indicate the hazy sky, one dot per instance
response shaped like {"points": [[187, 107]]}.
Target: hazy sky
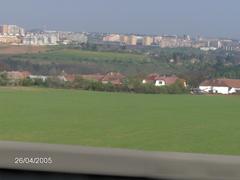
{"points": [[194, 17]]}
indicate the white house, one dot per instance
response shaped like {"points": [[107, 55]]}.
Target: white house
{"points": [[220, 86], [34, 77]]}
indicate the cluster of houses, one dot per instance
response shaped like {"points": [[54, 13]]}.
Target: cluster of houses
{"points": [[214, 86], [114, 78]]}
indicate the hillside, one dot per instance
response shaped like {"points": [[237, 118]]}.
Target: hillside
{"points": [[191, 64]]}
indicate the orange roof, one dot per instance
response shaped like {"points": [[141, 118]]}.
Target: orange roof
{"points": [[18, 74], [113, 76], [93, 77], [222, 83], [70, 77], [168, 79]]}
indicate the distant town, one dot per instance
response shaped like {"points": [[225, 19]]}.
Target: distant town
{"points": [[15, 35], [169, 72]]}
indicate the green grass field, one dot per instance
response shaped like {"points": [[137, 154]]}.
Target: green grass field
{"points": [[182, 123], [79, 55]]}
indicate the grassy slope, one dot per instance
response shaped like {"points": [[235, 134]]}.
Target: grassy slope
{"points": [[77, 61], [203, 124], [79, 55]]}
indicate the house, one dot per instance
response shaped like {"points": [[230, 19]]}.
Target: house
{"points": [[18, 75], [67, 77], [93, 77], [220, 86], [36, 77], [70, 77], [114, 78], [158, 80]]}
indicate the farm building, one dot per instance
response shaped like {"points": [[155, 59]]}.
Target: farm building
{"points": [[220, 86], [38, 77], [93, 77], [67, 77], [158, 80], [18, 75], [114, 78]]}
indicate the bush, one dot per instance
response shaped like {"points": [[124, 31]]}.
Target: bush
{"points": [[3, 79]]}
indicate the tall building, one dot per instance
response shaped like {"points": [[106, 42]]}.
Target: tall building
{"points": [[219, 44], [132, 40], [6, 39], [124, 39], [12, 30], [77, 38], [40, 39], [147, 41]]}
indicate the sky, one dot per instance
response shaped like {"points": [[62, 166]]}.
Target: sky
{"points": [[211, 18]]}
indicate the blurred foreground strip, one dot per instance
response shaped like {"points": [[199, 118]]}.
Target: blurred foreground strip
{"points": [[117, 162]]}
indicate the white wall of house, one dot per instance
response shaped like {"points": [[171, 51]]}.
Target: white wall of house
{"points": [[206, 89], [160, 83], [234, 90], [43, 78], [218, 90], [221, 90]]}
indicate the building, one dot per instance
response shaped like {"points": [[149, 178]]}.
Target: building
{"points": [[12, 30], [124, 39], [129, 40], [77, 38], [147, 41], [114, 78], [132, 40], [93, 77], [220, 86], [173, 41], [112, 38], [67, 77], [8, 39], [159, 81], [208, 49], [166, 41], [18, 75], [38, 77], [40, 39]]}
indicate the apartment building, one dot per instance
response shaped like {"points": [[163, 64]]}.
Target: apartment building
{"points": [[12, 30]]}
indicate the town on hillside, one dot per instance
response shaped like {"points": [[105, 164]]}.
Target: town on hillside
{"points": [[121, 47], [15, 35]]}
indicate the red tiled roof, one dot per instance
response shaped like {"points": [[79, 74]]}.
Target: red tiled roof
{"points": [[70, 77], [167, 79], [113, 76], [93, 77], [152, 77], [222, 83], [18, 74]]}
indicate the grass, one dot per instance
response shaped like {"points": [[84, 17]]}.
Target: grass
{"points": [[80, 55], [177, 123]]}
